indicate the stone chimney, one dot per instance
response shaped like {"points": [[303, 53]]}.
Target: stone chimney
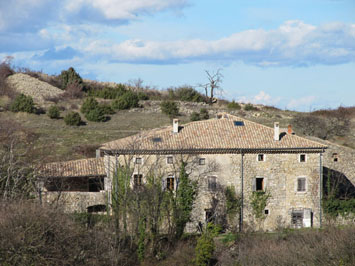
{"points": [[289, 129], [175, 125], [276, 131]]}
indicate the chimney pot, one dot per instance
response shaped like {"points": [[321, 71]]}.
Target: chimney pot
{"points": [[289, 129], [175, 125], [276, 131]]}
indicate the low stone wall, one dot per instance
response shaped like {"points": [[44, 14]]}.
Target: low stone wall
{"points": [[75, 201]]}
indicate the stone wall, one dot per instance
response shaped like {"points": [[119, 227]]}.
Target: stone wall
{"points": [[280, 172], [75, 201]]}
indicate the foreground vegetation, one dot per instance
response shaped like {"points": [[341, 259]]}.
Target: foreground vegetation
{"points": [[32, 234]]}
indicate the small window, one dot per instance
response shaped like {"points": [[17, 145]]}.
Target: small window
{"points": [[138, 160], [170, 160], [170, 183], [266, 212], [96, 184], [297, 219], [259, 184], [302, 158], [212, 183], [202, 161], [137, 180], [335, 157], [261, 157], [238, 123], [301, 184], [157, 139]]}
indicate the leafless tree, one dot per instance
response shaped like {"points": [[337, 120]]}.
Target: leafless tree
{"points": [[213, 85]]}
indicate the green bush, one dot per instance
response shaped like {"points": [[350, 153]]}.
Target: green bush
{"points": [[195, 116], [109, 93], [96, 115], [204, 114], [72, 119], [169, 108], [205, 245], [142, 96], [126, 101], [335, 207], [23, 103], [89, 104], [188, 94], [70, 76], [233, 105], [250, 107], [53, 112], [107, 109]]}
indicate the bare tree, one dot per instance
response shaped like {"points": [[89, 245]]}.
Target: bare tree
{"points": [[213, 85]]}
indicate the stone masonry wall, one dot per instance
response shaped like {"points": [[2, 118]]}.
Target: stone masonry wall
{"points": [[280, 172], [75, 201]]}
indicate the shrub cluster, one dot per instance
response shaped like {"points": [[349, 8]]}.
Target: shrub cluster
{"points": [[94, 111], [70, 76], [199, 116], [128, 100], [185, 93], [250, 107], [54, 112], [234, 105], [169, 108], [23, 103], [72, 119]]}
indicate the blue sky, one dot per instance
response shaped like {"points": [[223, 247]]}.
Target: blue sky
{"points": [[294, 54]]}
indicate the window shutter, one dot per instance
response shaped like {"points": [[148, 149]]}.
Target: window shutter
{"points": [[254, 184]]}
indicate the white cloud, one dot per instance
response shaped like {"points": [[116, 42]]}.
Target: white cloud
{"points": [[303, 102], [261, 98], [125, 9], [293, 43], [32, 15]]}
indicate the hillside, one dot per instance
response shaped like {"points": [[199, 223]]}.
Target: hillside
{"points": [[62, 142]]}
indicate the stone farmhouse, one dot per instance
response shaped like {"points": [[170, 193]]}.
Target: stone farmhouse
{"points": [[226, 151]]}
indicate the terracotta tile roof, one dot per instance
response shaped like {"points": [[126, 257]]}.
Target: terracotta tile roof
{"points": [[215, 134], [83, 167]]}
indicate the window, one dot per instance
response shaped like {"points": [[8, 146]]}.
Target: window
{"points": [[266, 212], [202, 161], [96, 184], [238, 123], [157, 139], [302, 158], [138, 160], [301, 184], [297, 219], [261, 157], [212, 183], [137, 180], [170, 183], [259, 184], [170, 160], [335, 157]]}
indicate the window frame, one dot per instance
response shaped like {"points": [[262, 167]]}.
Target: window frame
{"points": [[138, 158], [167, 187], [212, 185], [169, 157], [135, 185], [305, 184], [305, 158], [263, 184], [201, 159], [263, 155]]}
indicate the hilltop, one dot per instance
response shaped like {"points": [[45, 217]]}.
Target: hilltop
{"points": [[71, 142]]}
